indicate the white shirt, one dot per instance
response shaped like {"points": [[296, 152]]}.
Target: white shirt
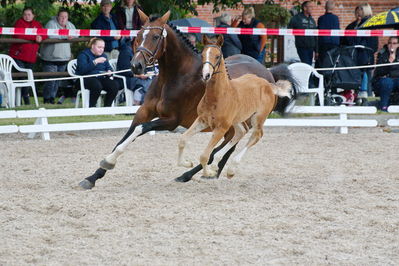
{"points": [[129, 17]]}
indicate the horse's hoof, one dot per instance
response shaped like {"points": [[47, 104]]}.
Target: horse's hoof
{"points": [[186, 164], [106, 165], [86, 184], [183, 178]]}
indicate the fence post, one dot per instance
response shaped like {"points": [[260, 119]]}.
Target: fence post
{"points": [[41, 121], [343, 117]]}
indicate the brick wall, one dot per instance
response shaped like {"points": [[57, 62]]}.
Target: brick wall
{"points": [[344, 10]]}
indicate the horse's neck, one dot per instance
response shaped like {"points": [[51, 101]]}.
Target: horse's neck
{"points": [[176, 57], [219, 81]]}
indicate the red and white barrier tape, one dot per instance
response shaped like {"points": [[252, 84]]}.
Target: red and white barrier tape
{"points": [[127, 70], [211, 30]]}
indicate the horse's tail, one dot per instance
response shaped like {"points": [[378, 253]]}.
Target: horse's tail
{"points": [[282, 73]]}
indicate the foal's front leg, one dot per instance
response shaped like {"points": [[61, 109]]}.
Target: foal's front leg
{"points": [[196, 127], [217, 135]]}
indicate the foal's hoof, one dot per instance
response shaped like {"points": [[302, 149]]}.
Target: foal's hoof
{"points": [[86, 184], [230, 173], [186, 164], [183, 178], [106, 165]]}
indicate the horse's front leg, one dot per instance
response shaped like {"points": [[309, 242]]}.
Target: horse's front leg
{"points": [[196, 127], [134, 131], [217, 135]]}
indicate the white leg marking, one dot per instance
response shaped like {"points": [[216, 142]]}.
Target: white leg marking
{"points": [[111, 158]]}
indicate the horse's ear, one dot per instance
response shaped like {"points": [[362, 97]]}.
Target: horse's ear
{"points": [[220, 40], [165, 17], [205, 39], [143, 17]]}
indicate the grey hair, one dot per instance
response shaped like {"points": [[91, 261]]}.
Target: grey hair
{"points": [[329, 5], [225, 18], [367, 11]]}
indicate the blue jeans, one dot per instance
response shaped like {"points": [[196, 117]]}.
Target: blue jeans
{"points": [[261, 57], [385, 87], [306, 55], [50, 88]]}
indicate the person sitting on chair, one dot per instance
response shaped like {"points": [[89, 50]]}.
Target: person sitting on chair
{"points": [[94, 61], [386, 79]]}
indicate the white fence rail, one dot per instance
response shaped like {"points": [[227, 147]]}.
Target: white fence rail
{"points": [[44, 128], [393, 122]]}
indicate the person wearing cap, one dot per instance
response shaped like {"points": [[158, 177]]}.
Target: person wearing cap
{"points": [[232, 44], [106, 21]]}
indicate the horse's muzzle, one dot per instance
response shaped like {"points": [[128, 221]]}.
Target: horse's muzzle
{"points": [[206, 77], [137, 67]]}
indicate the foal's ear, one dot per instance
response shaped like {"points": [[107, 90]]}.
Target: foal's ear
{"points": [[165, 17], [143, 17], [220, 40], [205, 39]]}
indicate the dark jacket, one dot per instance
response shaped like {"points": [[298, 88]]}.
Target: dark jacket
{"points": [[120, 17], [104, 23], [388, 71], [328, 21], [300, 21], [365, 56], [85, 65], [232, 44], [250, 43], [124, 58]]}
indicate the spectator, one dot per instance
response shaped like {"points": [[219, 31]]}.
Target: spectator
{"points": [[364, 56], [25, 54], [93, 60], [386, 79], [105, 21], [328, 21], [55, 56], [252, 45], [306, 46], [137, 83], [192, 39], [127, 16], [232, 44]]}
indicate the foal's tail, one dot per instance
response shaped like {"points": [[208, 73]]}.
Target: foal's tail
{"points": [[282, 88], [282, 73]]}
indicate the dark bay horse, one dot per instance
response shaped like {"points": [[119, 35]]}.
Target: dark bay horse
{"points": [[175, 93]]}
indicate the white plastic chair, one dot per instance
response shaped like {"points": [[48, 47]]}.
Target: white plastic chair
{"points": [[128, 93], [14, 88], [302, 72], [83, 92]]}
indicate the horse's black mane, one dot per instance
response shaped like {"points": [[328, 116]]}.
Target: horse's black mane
{"points": [[184, 39]]}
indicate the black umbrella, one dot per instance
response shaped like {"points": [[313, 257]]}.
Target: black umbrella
{"points": [[191, 22], [387, 19]]}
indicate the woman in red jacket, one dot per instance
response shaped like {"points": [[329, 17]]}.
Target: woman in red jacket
{"points": [[25, 54]]}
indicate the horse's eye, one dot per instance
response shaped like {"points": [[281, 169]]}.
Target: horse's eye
{"points": [[156, 37], [218, 57]]}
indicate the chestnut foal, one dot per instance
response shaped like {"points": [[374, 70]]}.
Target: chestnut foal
{"points": [[227, 103]]}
